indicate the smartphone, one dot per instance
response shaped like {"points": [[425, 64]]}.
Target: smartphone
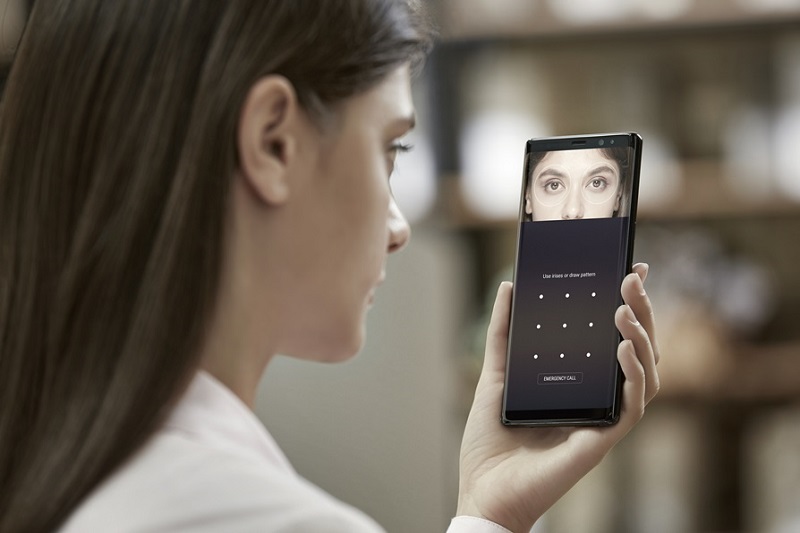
{"points": [[577, 219]]}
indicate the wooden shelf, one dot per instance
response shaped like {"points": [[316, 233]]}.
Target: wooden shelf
{"points": [[705, 195], [765, 373], [470, 20], [756, 374]]}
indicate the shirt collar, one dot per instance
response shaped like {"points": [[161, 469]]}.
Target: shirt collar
{"points": [[211, 413]]}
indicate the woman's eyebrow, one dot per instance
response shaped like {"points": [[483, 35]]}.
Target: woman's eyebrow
{"points": [[603, 168], [551, 172]]}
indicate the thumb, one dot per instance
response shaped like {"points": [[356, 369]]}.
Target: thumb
{"points": [[494, 359]]}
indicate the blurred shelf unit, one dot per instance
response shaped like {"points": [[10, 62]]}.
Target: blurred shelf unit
{"points": [[713, 86]]}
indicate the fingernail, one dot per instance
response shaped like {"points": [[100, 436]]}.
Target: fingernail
{"points": [[645, 268], [640, 287]]}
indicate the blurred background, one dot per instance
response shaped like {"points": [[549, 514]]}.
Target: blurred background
{"points": [[713, 86]]}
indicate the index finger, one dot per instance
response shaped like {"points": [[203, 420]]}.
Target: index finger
{"points": [[497, 335]]}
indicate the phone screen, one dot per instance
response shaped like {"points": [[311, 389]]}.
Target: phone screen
{"points": [[575, 242]]}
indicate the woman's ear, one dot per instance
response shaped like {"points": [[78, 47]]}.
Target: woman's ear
{"points": [[616, 204], [528, 203], [267, 138]]}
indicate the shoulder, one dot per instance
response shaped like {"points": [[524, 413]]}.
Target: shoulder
{"points": [[176, 484]]}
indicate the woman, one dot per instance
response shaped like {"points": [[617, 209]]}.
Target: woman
{"points": [[576, 184], [187, 189]]}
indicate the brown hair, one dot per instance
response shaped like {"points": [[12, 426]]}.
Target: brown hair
{"points": [[117, 142]]}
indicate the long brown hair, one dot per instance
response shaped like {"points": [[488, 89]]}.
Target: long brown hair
{"points": [[117, 142]]}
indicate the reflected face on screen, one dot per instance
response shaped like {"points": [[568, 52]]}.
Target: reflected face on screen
{"points": [[573, 184]]}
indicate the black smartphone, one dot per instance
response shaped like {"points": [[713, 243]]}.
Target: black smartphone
{"points": [[574, 246]]}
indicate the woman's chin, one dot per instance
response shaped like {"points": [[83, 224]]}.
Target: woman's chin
{"points": [[335, 348]]}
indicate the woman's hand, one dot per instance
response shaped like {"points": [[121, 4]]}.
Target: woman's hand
{"points": [[511, 476]]}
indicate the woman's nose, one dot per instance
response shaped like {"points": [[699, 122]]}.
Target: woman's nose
{"points": [[573, 208], [399, 230]]}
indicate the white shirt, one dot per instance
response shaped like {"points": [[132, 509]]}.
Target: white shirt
{"points": [[213, 467]]}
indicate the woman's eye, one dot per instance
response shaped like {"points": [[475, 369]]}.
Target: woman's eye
{"points": [[553, 186], [598, 184], [397, 148]]}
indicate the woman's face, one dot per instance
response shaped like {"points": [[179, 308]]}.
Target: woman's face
{"points": [[573, 184], [344, 222]]}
